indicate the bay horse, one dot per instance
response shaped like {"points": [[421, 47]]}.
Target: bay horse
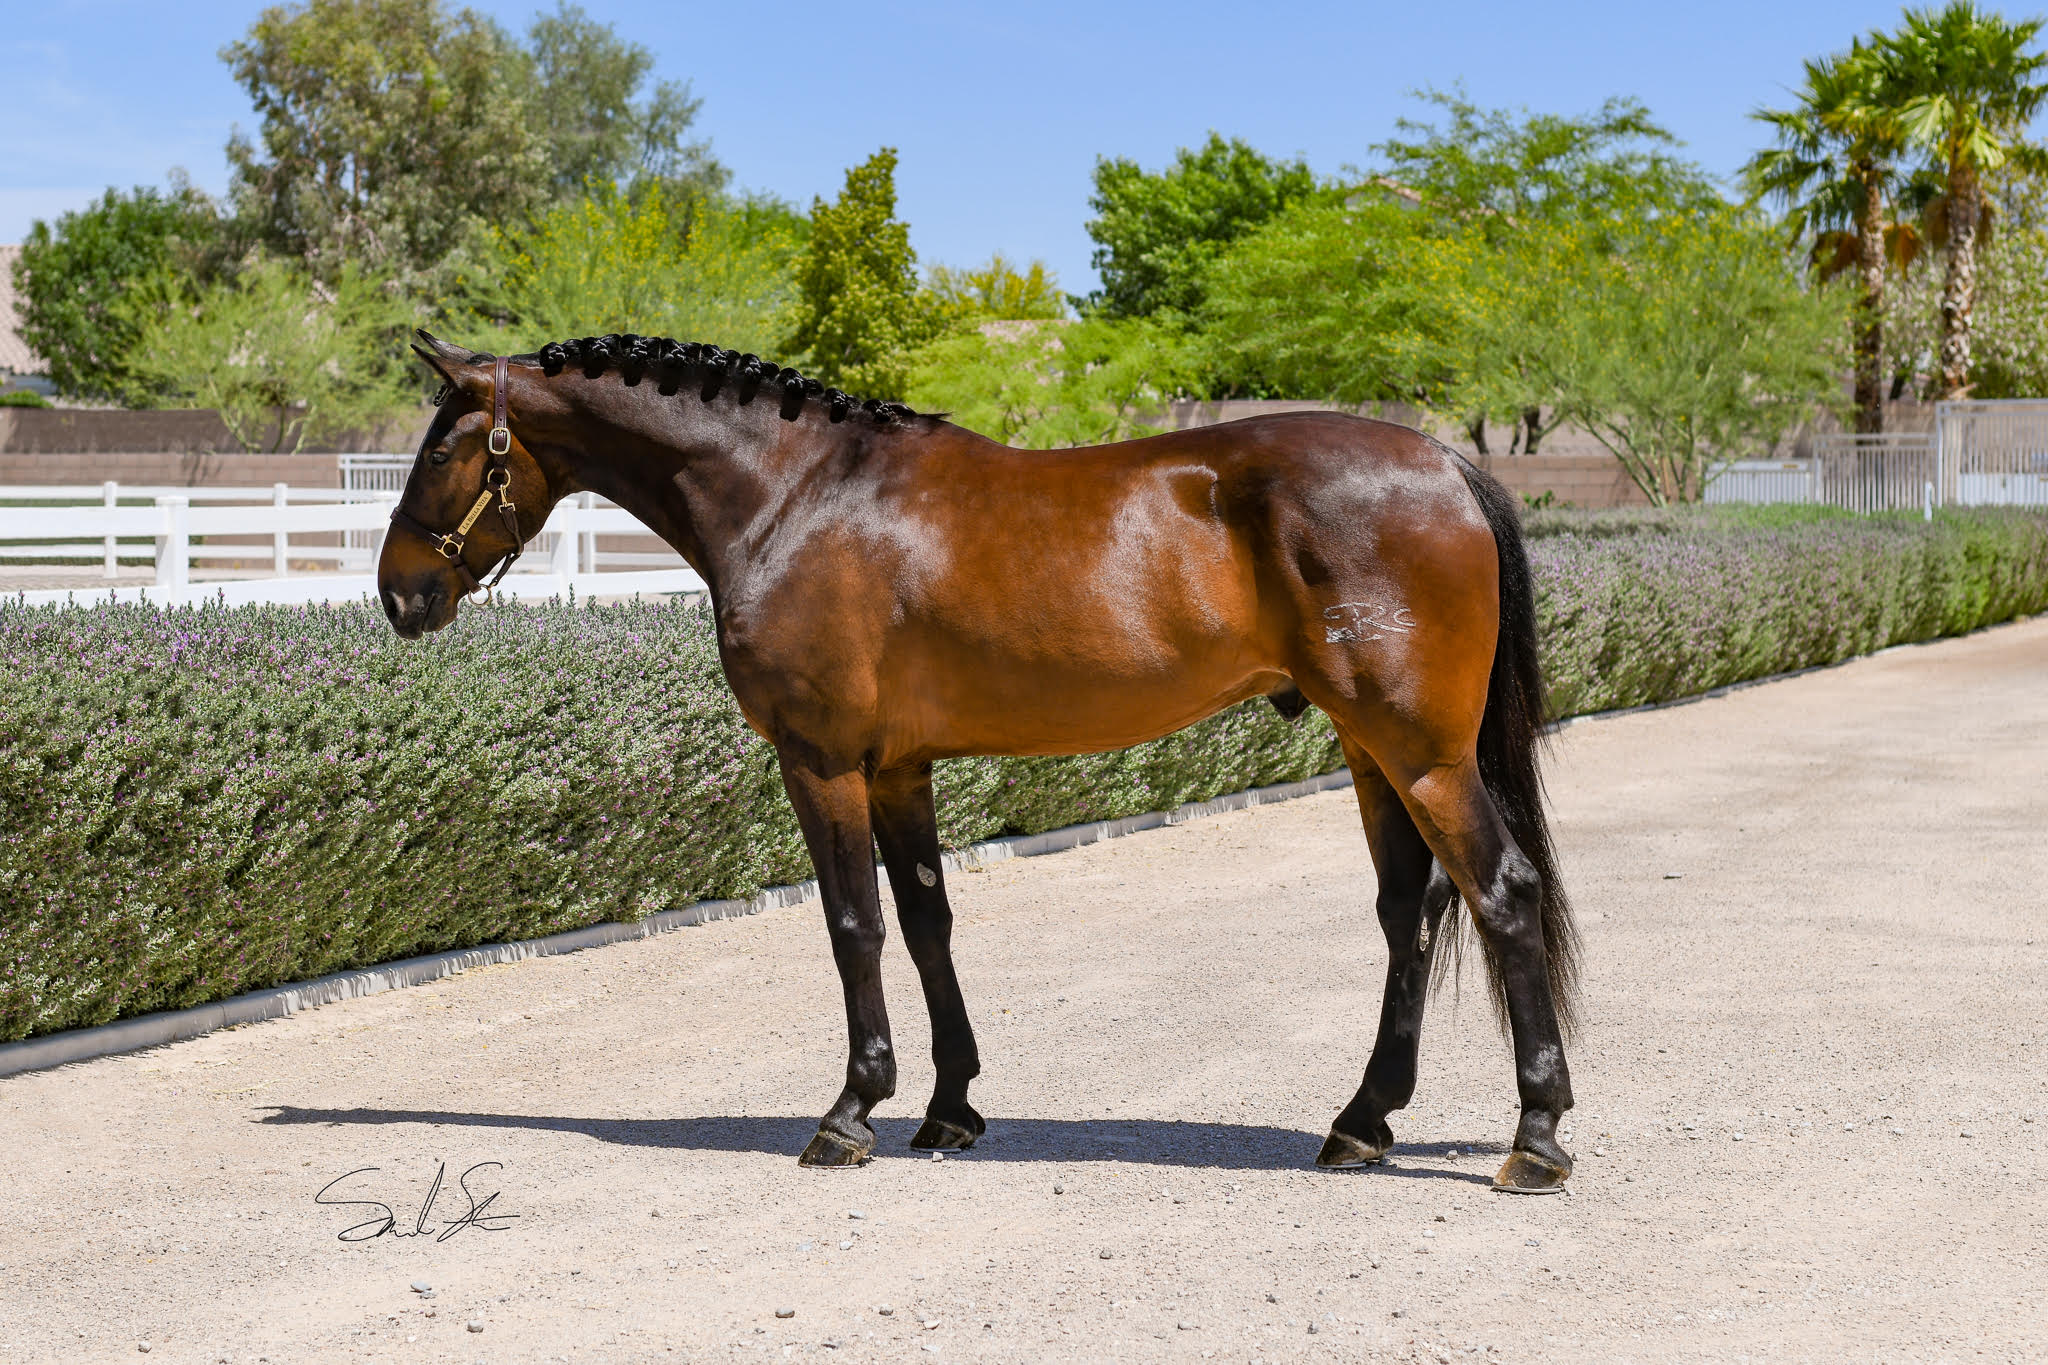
{"points": [[890, 589]]}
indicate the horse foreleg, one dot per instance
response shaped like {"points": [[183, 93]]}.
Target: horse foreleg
{"points": [[1407, 901], [906, 827], [831, 804]]}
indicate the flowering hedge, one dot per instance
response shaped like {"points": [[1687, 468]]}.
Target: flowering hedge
{"points": [[201, 802], [1646, 607], [197, 803]]}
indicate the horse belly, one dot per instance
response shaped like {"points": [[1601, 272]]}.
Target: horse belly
{"points": [[1099, 662]]}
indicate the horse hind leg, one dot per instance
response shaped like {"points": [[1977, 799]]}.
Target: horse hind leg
{"points": [[1500, 883], [906, 829], [1413, 895]]}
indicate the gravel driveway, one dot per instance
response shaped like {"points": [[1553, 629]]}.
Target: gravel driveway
{"points": [[1812, 1088]]}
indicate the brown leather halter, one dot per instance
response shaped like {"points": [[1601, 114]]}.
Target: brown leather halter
{"points": [[497, 482]]}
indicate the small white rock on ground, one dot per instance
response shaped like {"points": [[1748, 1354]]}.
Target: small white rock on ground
{"points": [[1851, 971]]}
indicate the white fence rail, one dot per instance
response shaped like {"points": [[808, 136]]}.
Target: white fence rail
{"points": [[1993, 452], [164, 530], [1984, 453], [1989, 453], [368, 475], [1893, 472], [1763, 481]]}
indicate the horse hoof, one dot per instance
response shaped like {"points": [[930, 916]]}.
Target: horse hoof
{"points": [[830, 1149], [1527, 1173], [937, 1135], [1343, 1152]]}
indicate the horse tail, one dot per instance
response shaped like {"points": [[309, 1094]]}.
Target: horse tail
{"points": [[1511, 732]]}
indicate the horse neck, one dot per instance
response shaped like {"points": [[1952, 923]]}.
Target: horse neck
{"points": [[699, 474]]}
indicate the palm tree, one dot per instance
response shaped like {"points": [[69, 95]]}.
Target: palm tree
{"points": [[1835, 170], [1966, 89]]}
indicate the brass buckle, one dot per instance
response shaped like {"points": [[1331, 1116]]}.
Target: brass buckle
{"points": [[474, 600], [497, 449], [449, 546]]}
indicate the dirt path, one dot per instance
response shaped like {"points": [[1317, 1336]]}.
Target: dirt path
{"points": [[1812, 1093]]}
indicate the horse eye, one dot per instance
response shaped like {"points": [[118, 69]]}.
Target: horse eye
{"points": [[439, 456]]}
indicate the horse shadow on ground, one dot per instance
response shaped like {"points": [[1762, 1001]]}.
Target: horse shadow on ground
{"points": [[1152, 1142]]}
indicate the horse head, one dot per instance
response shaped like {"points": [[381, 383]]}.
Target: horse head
{"points": [[473, 500]]}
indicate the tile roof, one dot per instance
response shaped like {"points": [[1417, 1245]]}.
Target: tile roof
{"points": [[15, 355]]}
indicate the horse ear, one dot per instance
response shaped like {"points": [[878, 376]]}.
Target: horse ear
{"points": [[452, 363]]}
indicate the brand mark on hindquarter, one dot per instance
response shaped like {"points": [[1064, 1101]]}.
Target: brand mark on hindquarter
{"points": [[1361, 621]]}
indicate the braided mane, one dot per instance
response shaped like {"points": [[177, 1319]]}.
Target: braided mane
{"points": [[709, 369]]}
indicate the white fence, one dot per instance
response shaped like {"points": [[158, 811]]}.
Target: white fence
{"points": [[1993, 452], [164, 530], [1764, 481], [368, 475], [1895, 472], [1990, 453]]}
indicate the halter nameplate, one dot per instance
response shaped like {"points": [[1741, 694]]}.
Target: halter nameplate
{"points": [[476, 509]]}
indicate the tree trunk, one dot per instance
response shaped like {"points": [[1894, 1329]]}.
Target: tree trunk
{"points": [[1532, 423], [1870, 335], [1476, 429], [1959, 288]]}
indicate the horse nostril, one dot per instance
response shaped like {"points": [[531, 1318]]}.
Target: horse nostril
{"points": [[391, 606]]}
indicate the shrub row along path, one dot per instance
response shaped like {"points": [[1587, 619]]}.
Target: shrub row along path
{"points": [[1815, 943]]}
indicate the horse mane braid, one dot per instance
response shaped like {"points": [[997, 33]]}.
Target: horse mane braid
{"points": [[671, 363]]}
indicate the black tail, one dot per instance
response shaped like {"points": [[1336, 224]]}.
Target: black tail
{"points": [[1510, 733]]}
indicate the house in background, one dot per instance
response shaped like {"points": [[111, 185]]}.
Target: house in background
{"points": [[20, 368]]}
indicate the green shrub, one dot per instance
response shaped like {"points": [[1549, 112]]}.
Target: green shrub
{"points": [[1658, 605], [200, 802], [1541, 522], [196, 803]]}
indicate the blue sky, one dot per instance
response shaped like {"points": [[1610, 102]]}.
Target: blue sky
{"points": [[998, 112]]}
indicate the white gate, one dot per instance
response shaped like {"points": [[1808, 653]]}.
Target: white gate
{"points": [[1993, 452], [1892, 472], [1981, 453], [1763, 481], [373, 474]]}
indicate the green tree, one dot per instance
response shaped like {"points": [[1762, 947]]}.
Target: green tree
{"points": [[1689, 344], [1967, 88], [2008, 343], [1503, 169], [1351, 302], [391, 131], [72, 277], [1157, 232], [1837, 171], [1046, 383], [2009, 331], [857, 316], [656, 263], [585, 91], [997, 290], [282, 358], [1503, 176]]}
